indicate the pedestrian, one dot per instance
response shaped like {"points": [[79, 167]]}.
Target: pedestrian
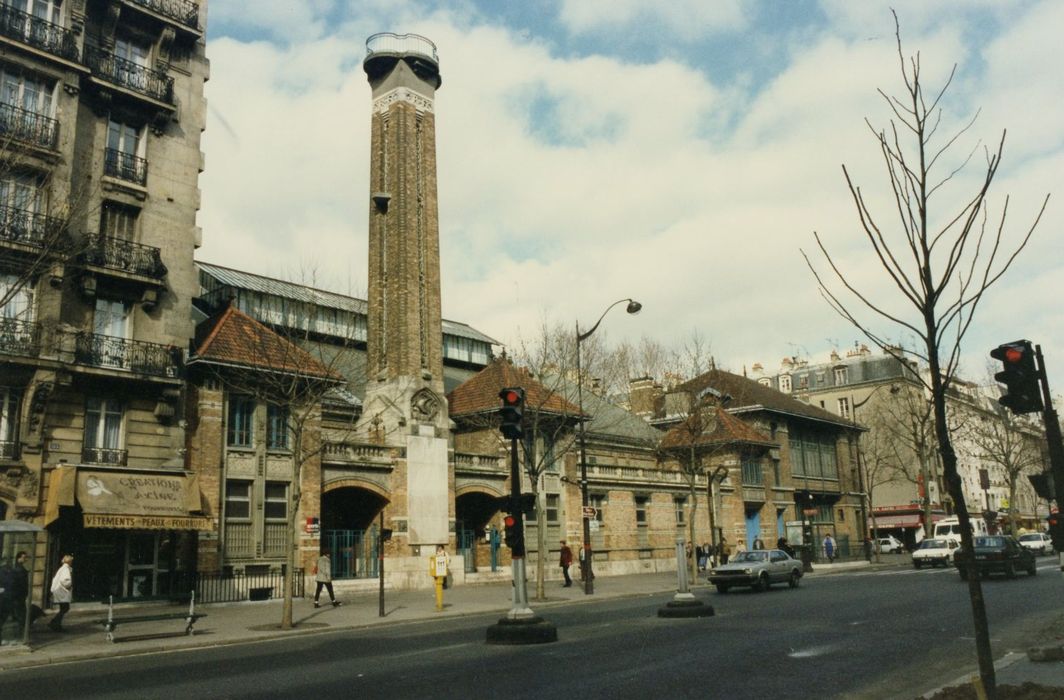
{"points": [[323, 577], [758, 544], [725, 550], [740, 546], [829, 548], [7, 592], [565, 560], [687, 552], [702, 552], [62, 591], [439, 567], [785, 546]]}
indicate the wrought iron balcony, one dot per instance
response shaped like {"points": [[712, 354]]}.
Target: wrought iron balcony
{"points": [[124, 354], [125, 166], [103, 455], [18, 337], [29, 228], [28, 127], [8, 449], [124, 256], [38, 33], [155, 84], [181, 11]]}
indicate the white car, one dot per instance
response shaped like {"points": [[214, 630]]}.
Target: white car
{"points": [[1037, 542], [890, 544], [934, 552]]}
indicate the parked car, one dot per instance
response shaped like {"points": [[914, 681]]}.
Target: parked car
{"points": [[890, 544], [996, 553], [758, 569], [1037, 542], [933, 552]]}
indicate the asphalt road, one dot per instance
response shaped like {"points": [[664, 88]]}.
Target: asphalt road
{"points": [[884, 634]]}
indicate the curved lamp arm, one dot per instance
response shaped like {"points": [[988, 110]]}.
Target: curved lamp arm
{"points": [[634, 307]]}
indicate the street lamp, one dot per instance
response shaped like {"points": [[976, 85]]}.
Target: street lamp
{"points": [[894, 389], [634, 307]]}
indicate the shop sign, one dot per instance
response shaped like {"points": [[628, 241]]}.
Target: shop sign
{"points": [[160, 495], [146, 522]]}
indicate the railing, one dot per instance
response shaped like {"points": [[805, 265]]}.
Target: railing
{"points": [[38, 33], [125, 166], [104, 455], [475, 461], [127, 74], [27, 227], [355, 452], [18, 337], [182, 11], [120, 353], [28, 127], [8, 449], [233, 587], [388, 42], [125, 256]]}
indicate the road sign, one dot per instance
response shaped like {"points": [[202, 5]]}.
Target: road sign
{"points": [[589, 512], [593, 525]]}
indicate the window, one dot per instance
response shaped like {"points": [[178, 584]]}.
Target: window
{"points": [[19, 305], [840, 376], [552, 507], [123, 138], [237, 500], [824, 514], [9, 400], [48, 10], [844, 407], [276, 505], [550, 459], [277, 427], [124, 156], [117, 221], [598, 502], [131, 51], [241, 415], [103, 424], [21, 193], [111, 318], [785, 383], [641, 510], [751, 470], [681, 507], [842, 515], [25, 92], [813, 454]]}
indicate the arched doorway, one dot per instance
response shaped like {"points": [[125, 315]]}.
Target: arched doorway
{"points": [[477, 540], [350, 530]]}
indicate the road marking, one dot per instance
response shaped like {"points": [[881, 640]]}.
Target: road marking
{"points": [[811, 651]]}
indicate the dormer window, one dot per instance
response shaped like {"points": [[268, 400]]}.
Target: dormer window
{"points": [[785, 383]]}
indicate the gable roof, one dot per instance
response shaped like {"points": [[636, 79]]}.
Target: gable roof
{"points": [[748, 396], [480, 393], [231, 337], [696, 430]]}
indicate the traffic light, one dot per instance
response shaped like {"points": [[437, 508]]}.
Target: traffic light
{"points": [[514, 534], [512, 412], [1056, 531], [1043, 485], [1023, 393]]}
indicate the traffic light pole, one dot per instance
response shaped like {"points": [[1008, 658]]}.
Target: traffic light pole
{"points": [[520, 609], [1053, 437]]}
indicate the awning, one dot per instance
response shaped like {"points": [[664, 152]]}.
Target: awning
{"points": [[889, 521], [140, 501]]}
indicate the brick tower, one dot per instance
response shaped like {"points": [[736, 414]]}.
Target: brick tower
{"points": [[404, 400]]}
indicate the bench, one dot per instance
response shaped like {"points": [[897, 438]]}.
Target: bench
{"points": [[112, 622]]}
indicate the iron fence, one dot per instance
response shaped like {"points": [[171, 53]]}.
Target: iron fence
{"points": [[125, 166], [29, 228], [29, 127], [18, 337], [121, 353], [133, 76], [125, 256], [37, 32], [104, 455], [234, 586]]}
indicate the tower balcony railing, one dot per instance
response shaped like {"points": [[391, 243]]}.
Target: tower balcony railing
{"points": [[388, 42], [111, 352], [181, 11], [38, 33], [155, 84], [28, 127], [19, 337], [125, 166], [123, 256], [104, 455], [29, 228]]}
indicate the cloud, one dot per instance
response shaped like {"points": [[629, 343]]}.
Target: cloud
{"points": [[682, 19]]}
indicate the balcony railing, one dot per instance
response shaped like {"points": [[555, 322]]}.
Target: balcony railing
{"points": [[18, 337], [28, 127], [103, 455], [182, 11], [38, 33], [132, 355], [125, 166], [124, 256], [29, 228], [8, 449], [127, 74]]}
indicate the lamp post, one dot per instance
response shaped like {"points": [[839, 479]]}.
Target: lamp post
{"points": [[894, 389], [634, 307]]}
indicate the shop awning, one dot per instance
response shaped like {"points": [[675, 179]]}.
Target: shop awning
{"points": [[889, 521], [140, 501]]}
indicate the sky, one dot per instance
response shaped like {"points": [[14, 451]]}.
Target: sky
{"points": [[682, 154]]}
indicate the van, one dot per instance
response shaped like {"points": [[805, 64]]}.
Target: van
{"points": [[950, 528]]}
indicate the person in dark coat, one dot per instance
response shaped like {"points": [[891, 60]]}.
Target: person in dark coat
{"points": [[782, 544], [565, 560]]}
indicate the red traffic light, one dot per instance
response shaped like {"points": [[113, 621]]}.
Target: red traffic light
{"points": [[509, 521], [1013, 354], [510, 397]]}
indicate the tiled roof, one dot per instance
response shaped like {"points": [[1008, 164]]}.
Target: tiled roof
{"points": [[480, 393], [234, 338], [748, 395], [725, 429]]}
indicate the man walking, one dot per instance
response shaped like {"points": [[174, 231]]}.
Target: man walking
{"points": [[829, 548], [324, 580], [565, 560]]}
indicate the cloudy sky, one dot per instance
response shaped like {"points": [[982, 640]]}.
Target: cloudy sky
{"points": [[682, 153]]}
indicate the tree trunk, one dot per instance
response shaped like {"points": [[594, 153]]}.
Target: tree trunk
{"points": [[541, 543], [293, 548], [691, 529]]}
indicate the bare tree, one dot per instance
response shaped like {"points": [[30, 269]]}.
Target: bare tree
{"points": [[940, 265]]}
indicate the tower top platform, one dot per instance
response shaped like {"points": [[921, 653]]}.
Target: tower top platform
{"points": [[383, 50]]}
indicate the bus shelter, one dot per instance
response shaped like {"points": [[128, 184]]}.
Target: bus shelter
{"points": [[19, 543]]}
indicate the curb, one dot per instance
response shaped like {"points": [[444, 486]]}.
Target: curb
{"points": [[1001, 664]]}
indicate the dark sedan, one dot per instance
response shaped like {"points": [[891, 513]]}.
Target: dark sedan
{"points": [[996, 554]]}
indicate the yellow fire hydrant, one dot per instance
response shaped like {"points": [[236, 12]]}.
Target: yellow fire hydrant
{"points": [[439, 564]]}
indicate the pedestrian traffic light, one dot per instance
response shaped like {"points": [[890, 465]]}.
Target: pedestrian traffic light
{"points": [[1056, 531], [1023, 391], [512, 412]]}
